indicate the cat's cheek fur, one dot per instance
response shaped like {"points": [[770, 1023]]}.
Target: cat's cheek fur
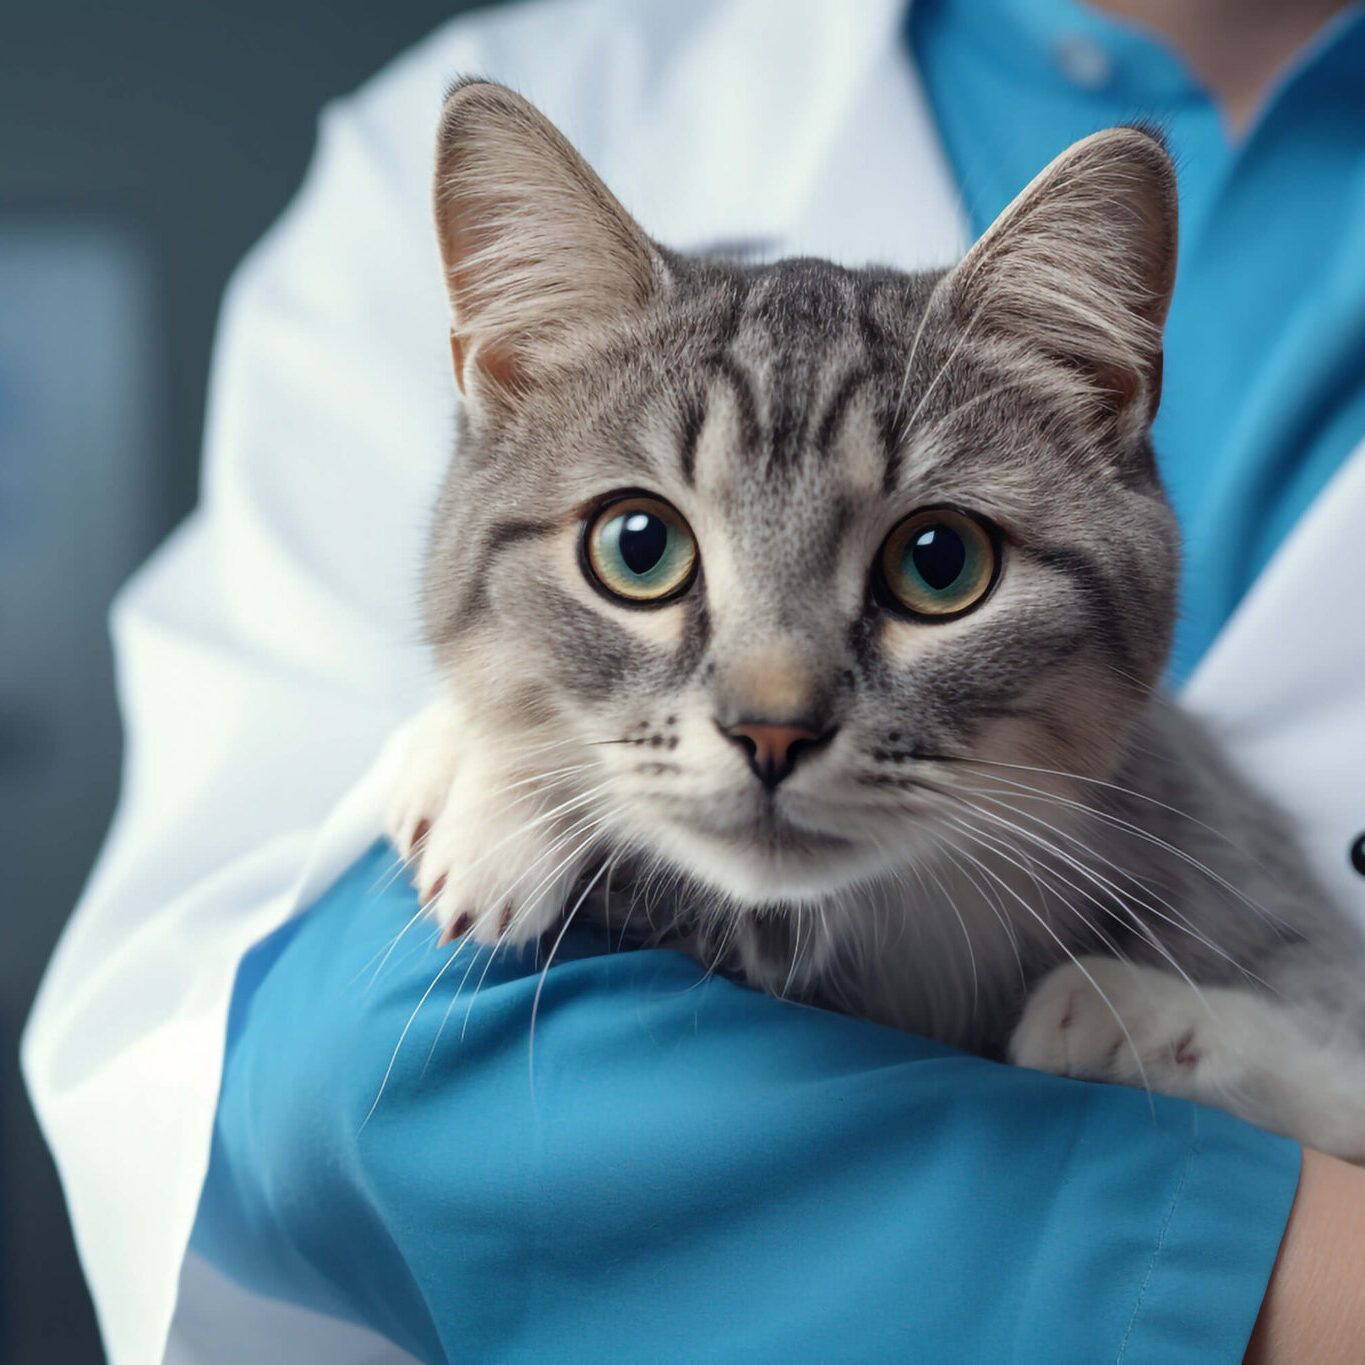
{"points": [[494, 857], [1253, 1055]]}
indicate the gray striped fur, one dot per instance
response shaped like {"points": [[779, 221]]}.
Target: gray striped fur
{"points": [[1005, 792]]}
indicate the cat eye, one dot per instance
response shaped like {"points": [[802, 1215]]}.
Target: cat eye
{"points": [[640, 549], [938, 563]]}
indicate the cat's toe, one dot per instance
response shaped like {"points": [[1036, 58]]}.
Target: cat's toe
{"points": [[485, 857], [455, 929], [423, 788], [414, 808], [1060, 1031], [484, 880], [1099, 1019], [505, 924]]}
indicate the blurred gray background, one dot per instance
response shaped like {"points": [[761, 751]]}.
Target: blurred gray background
{"points": [[143, 148]]}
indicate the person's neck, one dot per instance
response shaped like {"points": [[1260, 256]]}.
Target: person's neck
{"points": [[1237, 48]]}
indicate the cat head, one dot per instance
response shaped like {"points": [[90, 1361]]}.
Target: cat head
{"points": [[769, 567]]}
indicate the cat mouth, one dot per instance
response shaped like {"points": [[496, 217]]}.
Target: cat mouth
{"points": [[764, 857], [769, 829]]}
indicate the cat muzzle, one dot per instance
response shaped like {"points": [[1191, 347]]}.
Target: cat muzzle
{"points": [[774, 750]]}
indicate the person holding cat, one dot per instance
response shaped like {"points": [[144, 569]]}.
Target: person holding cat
{"points": [[421, 1148]]}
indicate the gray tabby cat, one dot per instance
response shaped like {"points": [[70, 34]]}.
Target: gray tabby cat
{"points": [[811, 620]]}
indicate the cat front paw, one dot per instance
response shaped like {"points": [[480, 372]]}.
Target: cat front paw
{"points": [[430, 761], [1287, 1069], [1103, 1020], [489, 861]]}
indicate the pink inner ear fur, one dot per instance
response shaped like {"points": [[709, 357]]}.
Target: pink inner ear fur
{"points": [[1082, 264], [457, 358], [496, 364], [538, 254]]}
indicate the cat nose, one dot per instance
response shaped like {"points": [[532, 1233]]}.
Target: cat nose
{"points": [[773, 750]]}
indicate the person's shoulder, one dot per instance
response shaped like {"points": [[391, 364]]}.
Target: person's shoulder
{"points": [[608, 70], [582, 62], [560, 54], [704, 117]]}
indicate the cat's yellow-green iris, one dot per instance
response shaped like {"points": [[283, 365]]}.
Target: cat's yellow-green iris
{"points": [[938, 562], [639, 548]]}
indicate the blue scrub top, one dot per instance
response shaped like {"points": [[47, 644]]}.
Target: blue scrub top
{"points": [[1264, 390], [682, 1169]]}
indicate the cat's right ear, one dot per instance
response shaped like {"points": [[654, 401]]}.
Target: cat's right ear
{"points": [[538, 254]]}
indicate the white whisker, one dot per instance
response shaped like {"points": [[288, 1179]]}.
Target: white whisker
{"points": [[1061, 943], [398, 1046], [540, 984]]}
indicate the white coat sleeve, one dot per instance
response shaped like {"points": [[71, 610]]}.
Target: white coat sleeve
{"points": [[263, 656]]}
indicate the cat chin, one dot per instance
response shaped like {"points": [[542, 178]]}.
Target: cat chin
{"points": [[801, 868]]}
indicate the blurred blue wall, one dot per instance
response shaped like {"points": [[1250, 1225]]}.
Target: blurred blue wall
{"points": [[143, 147]]}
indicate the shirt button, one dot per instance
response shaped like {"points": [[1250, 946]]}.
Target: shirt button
{"points": [[1358, 854], [1083, 61]]}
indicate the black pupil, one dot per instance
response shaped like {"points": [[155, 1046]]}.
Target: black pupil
{"points": [[644, 538], [938, 555]]}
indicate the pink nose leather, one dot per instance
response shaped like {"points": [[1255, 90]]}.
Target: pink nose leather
{"points": [[772, 749]]}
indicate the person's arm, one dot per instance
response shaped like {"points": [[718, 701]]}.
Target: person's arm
{"points": [[1314, 1308], [674, 1167]]}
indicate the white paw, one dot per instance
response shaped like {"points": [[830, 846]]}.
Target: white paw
{"points": [[1103, 1020], [425, 777], [1283, 1066], [489, 859]]}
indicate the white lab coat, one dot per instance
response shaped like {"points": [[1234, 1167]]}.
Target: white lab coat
{"points": [[270, 647]]}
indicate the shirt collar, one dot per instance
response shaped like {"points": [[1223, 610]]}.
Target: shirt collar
{"points": [[1079, 48]]}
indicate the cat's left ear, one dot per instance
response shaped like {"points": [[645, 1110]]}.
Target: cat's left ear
{"points": [[1081, 267], [539, 256]]}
